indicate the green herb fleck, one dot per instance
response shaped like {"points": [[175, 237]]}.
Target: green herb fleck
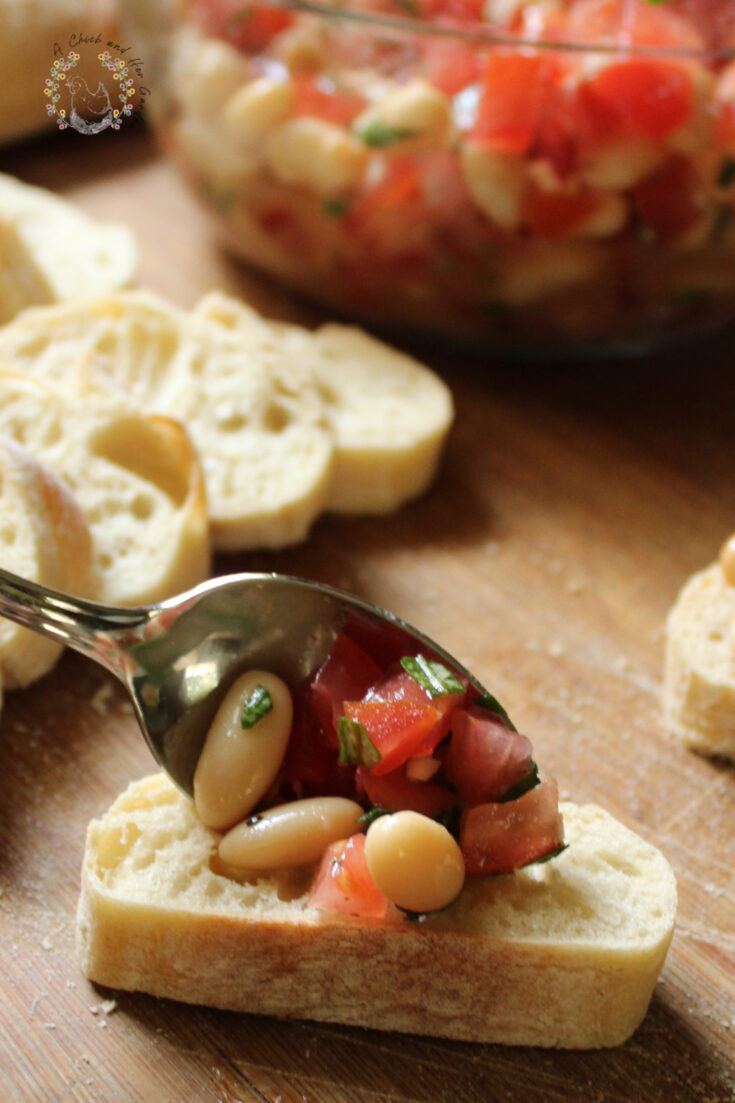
{"points": [[379, 135], [356, 748], [431, 675], [530, 781], [335, 208], [727, 173], [257, 704], [492, 704], [374, 813]]}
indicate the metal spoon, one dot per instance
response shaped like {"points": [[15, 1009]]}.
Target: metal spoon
{"points": [[177, 658]]}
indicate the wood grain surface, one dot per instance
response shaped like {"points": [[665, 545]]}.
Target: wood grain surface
{"points": [[573, 502]]}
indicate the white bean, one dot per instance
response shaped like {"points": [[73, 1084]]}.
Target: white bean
{"points": [[238, 764], [314, 154], [496, 181], [258, 107], [291, 834], [415, 116], [414, 861]]}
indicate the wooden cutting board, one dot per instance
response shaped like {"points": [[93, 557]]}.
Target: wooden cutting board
{"points": [[573, 502]]}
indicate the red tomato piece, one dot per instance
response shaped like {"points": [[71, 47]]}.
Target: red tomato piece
{"points": [[248, 26], [396, 728], [554, 215], [519, 92], [667, 200], [498, 838], [639, 97], [450, 66], [399, 686], [347, 673], [323, 100], [343, 882], [310, 765], [396, 792], [485, 758], [637, 22]]}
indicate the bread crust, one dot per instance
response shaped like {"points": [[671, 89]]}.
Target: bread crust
{"points": [[471, 973], [699, 671]]}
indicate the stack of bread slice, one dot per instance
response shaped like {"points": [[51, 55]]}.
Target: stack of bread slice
{"points": [[287, 423]]}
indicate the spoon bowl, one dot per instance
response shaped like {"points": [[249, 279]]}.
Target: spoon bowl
{"points": [[178, 658]]}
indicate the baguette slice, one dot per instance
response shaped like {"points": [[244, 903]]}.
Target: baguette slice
{"points": [[137, 480], [76, 257], [256, 419], [390, 414], [22, 283], [44, 537], [561, 954], [699, 674]]}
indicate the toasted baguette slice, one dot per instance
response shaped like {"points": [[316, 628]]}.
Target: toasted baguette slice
{"points": [[137, 480], [44, 537], [563, 954], [390, 414], [76, 257], [256, 419], [699, 675], [22, 283]]}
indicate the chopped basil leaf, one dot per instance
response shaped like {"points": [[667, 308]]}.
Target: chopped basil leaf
{"points": [[374, 813], [431, 675], [552, 854], [530, 781], [492, 704], [257, 704], [356, 748], [335, 208], [379, 134], [727, 172]]}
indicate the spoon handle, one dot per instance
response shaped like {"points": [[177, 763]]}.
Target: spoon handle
{"points": [[83, 625]]}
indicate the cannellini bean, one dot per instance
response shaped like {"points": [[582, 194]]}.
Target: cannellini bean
{"points": [[303, 47], [415, 116], [238, 764], [496, 181], [258, 107], [621, 164], [213, 70], [727, 560], [414, 861], [317, 155], [291, 834]]}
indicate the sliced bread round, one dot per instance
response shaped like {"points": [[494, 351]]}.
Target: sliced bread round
{"points": [[255, 416], [22, 283], [137, 480], [699, 673], [390, 414], [44, 537]]}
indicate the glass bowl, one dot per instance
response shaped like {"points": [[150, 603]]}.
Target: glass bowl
{"points": [[531, 174]]}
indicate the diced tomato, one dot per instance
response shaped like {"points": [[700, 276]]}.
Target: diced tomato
{"points": [[639, 97], [498, 838], [318, 97], [346, 674], [464, 11], [485, 758], [311, 766], [553, 215], [396, 792], [396, 194], [450, 66], [667, 200], [519, 92], [248, 26], [343, 882], [402, 720], [633, 22]]}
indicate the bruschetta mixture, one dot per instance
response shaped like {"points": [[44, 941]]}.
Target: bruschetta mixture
{"points": [[415, 161], [386, 771]]}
